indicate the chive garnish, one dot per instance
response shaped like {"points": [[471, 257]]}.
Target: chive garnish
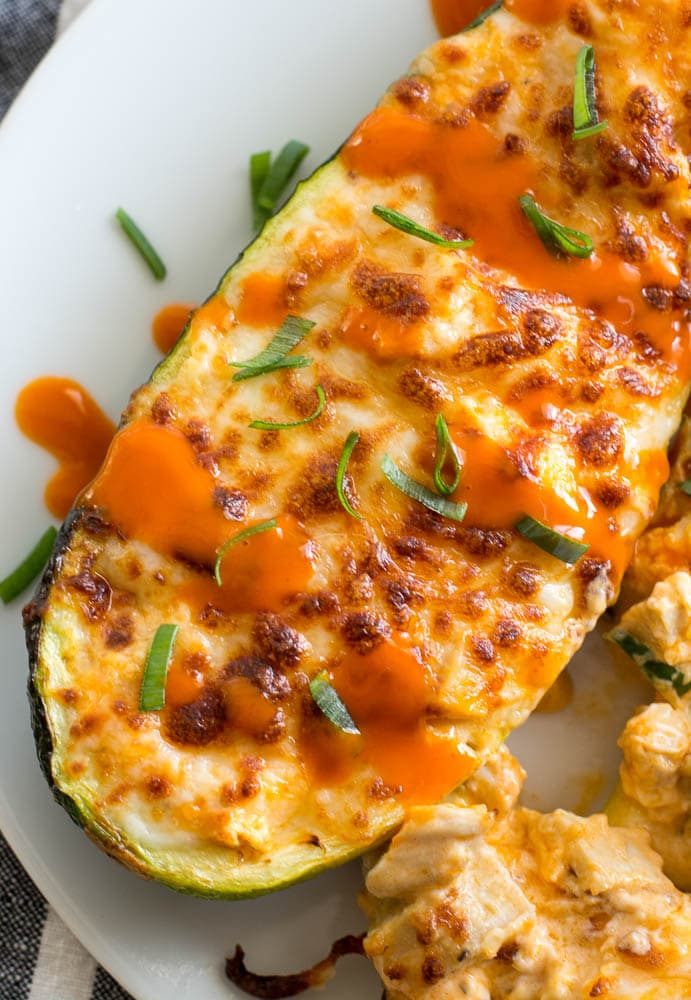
{"points": [[348, 447], [152, 695], [685, 487], [412, 228], [259, 168], [268, 425], [644, 658], [279, 175], [586, 121], [274, 357], [482, 17], [446, 451], [416, 491], [29, 568], [255, 529], [329, 703], [551, 541], [142, 244], [558, 239]]}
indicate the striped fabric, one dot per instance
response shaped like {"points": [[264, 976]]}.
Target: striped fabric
{"points": [[39, 958]]}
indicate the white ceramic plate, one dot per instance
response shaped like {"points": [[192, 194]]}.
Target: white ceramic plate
{"points": [[155, 105]]}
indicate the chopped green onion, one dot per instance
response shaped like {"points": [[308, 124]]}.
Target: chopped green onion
{"points": [[348, 447], [549, 540], [20, 578], [586, 121], [482, 17], [259, 168], [558, 239], [255, 529], [327, 699], [274, 357], [446, 449], [268, 425], [416, 491], [685, 487], [142, 244], [152, 695], [279, 175], [644, 658], [412, 228]]}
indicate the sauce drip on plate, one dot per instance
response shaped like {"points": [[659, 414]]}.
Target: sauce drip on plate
{"points": [[452, 16], [168, 325], [60, 416]]}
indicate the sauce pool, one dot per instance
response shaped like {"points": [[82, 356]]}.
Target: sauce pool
{"points": [[452, 16], [60, 416], [168, 325]]}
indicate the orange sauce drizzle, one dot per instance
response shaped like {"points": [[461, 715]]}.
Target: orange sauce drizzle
{"points": [[384, 336], [259, 573], [153, 488], [476, 190], [61, 416], [498, 495], [183, 685], [452, 16], [262, 300], [387, 692], [248, 710], [538, 11], [168, 325]]}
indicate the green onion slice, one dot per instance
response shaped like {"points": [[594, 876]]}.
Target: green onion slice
{"points": [[685, 487], [416, 491], [142, 244], [279, 174], [643, 657], [549, 540], [482, 17], [558, 239], [152, 695], [259, 169], [255, 529], [20, 578], [586, 121], [327, 699], [268, 425], [274, 357], [348, 447], [412, 228], [446, 451]]}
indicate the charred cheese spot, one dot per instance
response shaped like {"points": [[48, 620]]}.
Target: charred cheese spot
{"points": [[600, 441], [389, 293], [199, 722]]}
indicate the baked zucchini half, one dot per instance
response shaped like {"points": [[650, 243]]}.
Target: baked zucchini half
{"points": [[299, 571]]}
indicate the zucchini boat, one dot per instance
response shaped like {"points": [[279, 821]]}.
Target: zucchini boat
{"points": [[547, 363]]}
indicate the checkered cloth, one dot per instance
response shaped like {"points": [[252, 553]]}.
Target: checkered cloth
{"points": [[39, 958]]}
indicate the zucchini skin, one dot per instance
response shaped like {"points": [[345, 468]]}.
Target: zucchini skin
{"points": [[529, 650]]}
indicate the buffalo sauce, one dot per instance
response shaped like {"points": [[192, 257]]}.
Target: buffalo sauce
{"points": [[387, 692], [154, 489], [262, 300], [168, 325], [452, 16], [61, 416], [477, 190]]}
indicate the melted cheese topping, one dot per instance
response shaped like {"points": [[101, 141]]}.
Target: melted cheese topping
{"points": [[542, 907], [561, 381]]}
